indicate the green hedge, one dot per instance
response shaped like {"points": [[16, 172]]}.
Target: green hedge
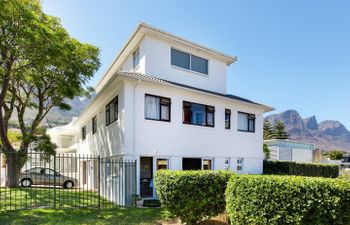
{"points": [[192, 195], [301, 169], [274, 200]]}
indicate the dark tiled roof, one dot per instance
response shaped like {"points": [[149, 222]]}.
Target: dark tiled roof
{"points": [[158, 80]]}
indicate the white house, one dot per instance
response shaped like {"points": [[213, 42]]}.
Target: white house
{"points": [[66, 137], [163, 102]]}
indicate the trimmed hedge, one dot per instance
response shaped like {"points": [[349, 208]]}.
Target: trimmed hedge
{"points": [[274, 200], [301, 169], [192, 195]]}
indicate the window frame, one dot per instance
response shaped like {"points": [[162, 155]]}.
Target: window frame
{"points": [[134, 65], [94, 125], [83, 133], [248, 119], [108, 108], [162, 158], [240, 164], [160, 108], [211, 163], [190, 62], [228, 112], [207, 111]]}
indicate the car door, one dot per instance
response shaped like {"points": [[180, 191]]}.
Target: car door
{"points": [[50, 177], [36, 175]]}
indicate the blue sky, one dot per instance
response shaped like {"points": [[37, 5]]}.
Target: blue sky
{"points": [[292, 54]]}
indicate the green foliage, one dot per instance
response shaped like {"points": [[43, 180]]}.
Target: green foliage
{"points": [[268, 130], [335, 155], [266, 151], [301, 169], [192, 195], [279, 131], [274, 200]]}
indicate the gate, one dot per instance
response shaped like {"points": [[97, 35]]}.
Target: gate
{"points": [[69, 180]]}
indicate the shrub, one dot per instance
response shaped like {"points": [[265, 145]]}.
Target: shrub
{"points": [[192, 195], [268, 199], [301, 169]]}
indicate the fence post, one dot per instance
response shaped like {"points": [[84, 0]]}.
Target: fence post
{"points": [[54, 178], [99, 182]]}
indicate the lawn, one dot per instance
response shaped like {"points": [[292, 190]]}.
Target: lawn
{"points": [[116, 215]]}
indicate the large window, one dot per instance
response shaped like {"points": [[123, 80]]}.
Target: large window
{"points": [[246, 122], [94, 125], [198, 114], [228, 119], [112, 111], [188, 61], [83, 133], [157, 108], [136, 58]]}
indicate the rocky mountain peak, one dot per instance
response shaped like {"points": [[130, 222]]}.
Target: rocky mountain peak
{"points": [[311, 123]]}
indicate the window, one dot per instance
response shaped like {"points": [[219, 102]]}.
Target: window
{"points": [[162, 164], [136, 58], [228, 119], [188, 61], [157, 108], [94, 125], [112, 111], [246, 122], [207, 164], [83, 133], [198, 114], [240, 162]]}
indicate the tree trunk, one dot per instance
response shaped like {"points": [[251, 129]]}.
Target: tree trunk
{"points": [[13, 169]]}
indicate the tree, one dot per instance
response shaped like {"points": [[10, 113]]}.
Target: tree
{"points": [[268, 130], [335, 155], [266, 152], [279, 131], [40, 67]]}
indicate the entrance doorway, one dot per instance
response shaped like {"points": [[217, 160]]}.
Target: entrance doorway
{"points": [[146, 177], [191, 163]]}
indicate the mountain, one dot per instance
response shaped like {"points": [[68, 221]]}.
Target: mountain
{"points": [[327, 135], [59, 117]]}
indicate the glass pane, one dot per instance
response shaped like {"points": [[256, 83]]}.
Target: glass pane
{"points": [[180, 59], [210, 119], [242, 121], [165, 112], [207, 164], [136, 58], [162, 164], [152, 107], [251, 125], [198, 114], [199, 64]]}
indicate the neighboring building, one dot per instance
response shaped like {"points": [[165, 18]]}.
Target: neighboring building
{"points": [[163, 102], [65, 137], [293, 151]]}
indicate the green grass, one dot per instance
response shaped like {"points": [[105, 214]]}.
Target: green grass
{"points": [[116, 215], [71, 208]]}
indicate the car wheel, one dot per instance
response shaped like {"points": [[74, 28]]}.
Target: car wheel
{"points": [[68, 184], [26, 182]]}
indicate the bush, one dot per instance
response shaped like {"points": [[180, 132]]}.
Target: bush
{"points": [[301, 169], [192, 195], [268, 199]]}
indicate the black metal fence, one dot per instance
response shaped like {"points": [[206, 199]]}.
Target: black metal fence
{"points": [[69, 180]]}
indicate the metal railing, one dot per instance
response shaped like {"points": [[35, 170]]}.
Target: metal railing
{"points": [[69, 180]]}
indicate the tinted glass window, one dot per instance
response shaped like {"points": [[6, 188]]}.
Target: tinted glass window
{"points": [[199, 64], [180, 59]]}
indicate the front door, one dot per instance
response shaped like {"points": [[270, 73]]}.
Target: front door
{"points": [[146, 177]]}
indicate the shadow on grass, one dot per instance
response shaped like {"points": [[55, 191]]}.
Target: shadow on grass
{"points": [[117, 215]]}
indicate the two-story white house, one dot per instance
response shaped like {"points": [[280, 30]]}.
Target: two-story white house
{"points": [[163, 102]]}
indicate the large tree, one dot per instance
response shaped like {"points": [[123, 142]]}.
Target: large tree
{"points": [[40, 67], [268, 130], [279, 131]]}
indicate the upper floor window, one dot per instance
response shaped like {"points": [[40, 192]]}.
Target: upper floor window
{"points": [[188, 61], [157, 108], [94, 125], [112, 111], [83, 133], [246, 122], [228, 119], [136, 58], [198, 114]]}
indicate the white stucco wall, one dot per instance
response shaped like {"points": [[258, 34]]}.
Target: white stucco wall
{"points": [[302, 155]]}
